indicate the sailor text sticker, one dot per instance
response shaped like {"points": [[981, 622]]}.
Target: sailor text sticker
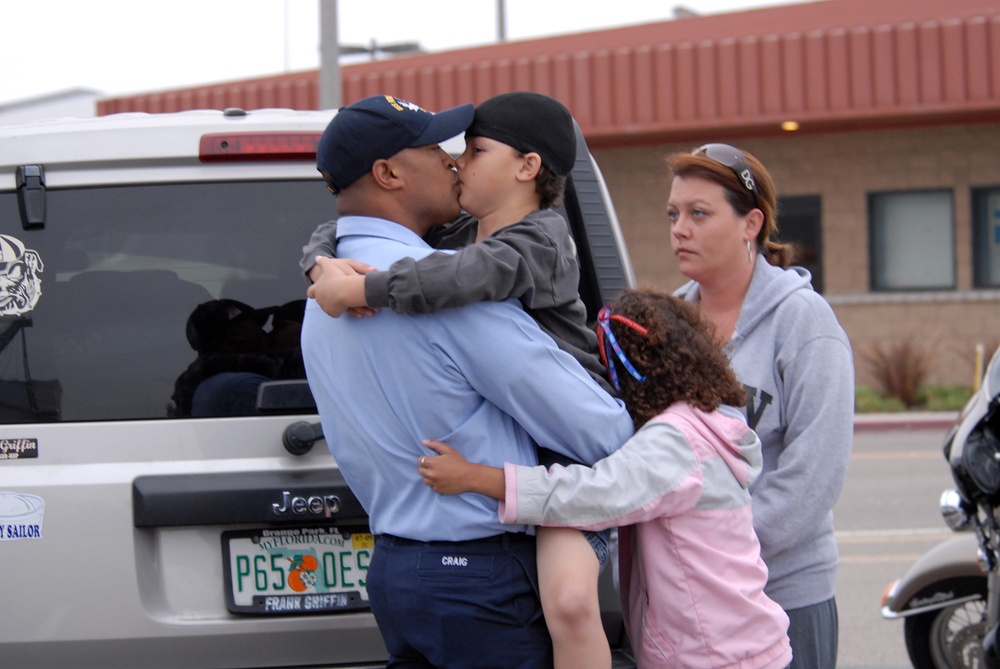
{"points": [[20, 516]]}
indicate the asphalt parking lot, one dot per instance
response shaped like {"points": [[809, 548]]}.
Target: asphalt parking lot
{"points": [[886, 518]]}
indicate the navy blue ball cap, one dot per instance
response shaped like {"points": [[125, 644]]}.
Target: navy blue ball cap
{"points": [[380, 127]]}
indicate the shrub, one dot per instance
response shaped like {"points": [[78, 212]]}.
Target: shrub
{"points": [[900, 369]]}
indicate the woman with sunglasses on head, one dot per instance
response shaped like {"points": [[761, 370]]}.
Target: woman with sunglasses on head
{"points": [[794, 360], [692, 581]]}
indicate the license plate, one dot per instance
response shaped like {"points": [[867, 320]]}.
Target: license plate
{"points": [[298, 570]]}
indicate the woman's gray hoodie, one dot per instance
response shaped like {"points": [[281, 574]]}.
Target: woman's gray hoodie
{"points": [[794, 359]]}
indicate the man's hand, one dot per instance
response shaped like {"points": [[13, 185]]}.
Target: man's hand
{"points": [[448, 473], [339, 286]]}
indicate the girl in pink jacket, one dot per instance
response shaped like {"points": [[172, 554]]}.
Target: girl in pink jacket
{"points": [[691, 573]]}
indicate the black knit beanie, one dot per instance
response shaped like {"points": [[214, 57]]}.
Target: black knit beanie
{"points": [[529, 122]]}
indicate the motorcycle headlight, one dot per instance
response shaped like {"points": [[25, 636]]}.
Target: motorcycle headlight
{"points": [[981, 461]]}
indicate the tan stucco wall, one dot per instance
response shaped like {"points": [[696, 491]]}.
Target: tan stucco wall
{"points": [[843, 169]]}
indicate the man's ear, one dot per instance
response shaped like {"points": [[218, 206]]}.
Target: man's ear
{"points": [[531, 163], [385, 175]]}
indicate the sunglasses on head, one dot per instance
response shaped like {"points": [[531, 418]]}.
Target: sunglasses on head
{"points": [[734, 159]]}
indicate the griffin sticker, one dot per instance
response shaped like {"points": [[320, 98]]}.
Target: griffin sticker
{"points": [[20, 285]]}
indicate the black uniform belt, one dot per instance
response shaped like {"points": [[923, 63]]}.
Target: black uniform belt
{"points": [[517, 537]]}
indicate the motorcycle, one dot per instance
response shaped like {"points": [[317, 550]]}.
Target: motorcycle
{"points": [[949, 599]]}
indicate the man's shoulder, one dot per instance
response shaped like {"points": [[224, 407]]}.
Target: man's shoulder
{"points": [[487, 327], [381, 243], [506, 310]]}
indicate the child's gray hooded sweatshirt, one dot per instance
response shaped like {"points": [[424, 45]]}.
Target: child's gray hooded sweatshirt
{"points": [[795, 362]]}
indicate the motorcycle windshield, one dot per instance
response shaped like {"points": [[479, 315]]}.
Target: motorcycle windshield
{"points": [[973, 447], [991, 383]]}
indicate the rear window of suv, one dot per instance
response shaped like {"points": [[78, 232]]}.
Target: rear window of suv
{"points": [[98, 316]]}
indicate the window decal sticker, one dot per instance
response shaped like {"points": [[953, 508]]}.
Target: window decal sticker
{"points": [[20, 285], [17, 449], [20, 516]]}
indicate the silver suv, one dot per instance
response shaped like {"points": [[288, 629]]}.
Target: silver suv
{"points": [[161, 501]]}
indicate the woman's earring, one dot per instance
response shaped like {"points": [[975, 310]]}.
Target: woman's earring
{"points": [[749, 252]]}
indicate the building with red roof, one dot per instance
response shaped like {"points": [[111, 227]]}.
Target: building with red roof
{"points": [[879, 121]]}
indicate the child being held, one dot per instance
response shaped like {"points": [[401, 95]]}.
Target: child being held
{"points": [[519, 152]]}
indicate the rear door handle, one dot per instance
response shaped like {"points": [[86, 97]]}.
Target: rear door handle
{"points": [[318, 496]]}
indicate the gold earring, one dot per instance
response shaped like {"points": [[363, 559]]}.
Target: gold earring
{"points": [[749, 252]]}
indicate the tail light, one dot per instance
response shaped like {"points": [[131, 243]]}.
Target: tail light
{"points": [[258, 147]]}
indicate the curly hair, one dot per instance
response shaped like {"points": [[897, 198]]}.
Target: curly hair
{"points": [[678, 355]]}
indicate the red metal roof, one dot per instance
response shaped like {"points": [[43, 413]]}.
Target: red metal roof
{"points": [[826, 65]]}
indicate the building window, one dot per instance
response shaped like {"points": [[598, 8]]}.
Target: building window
{"points": [[986, 237], [799, 224], [912, 240]]}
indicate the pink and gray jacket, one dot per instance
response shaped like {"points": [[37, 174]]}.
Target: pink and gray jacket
{"points": [[691, 573]]}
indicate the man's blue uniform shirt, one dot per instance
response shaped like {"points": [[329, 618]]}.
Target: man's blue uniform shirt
{"points": [[483, 378]]}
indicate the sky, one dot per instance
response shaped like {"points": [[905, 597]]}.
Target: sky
{"points": [[124, 47]]}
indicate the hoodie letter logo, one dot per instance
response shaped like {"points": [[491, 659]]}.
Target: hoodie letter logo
{"points": [[754, 413]]}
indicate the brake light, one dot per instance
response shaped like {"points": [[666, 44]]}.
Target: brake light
{"points": [[258, 146]]}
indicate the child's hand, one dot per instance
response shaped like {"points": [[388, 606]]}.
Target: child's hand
{"points": [[447, 473], [450, 474], [339, 286], [345, 266]]}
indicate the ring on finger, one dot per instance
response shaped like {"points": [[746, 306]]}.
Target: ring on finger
{"points": [[423, 459]]}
